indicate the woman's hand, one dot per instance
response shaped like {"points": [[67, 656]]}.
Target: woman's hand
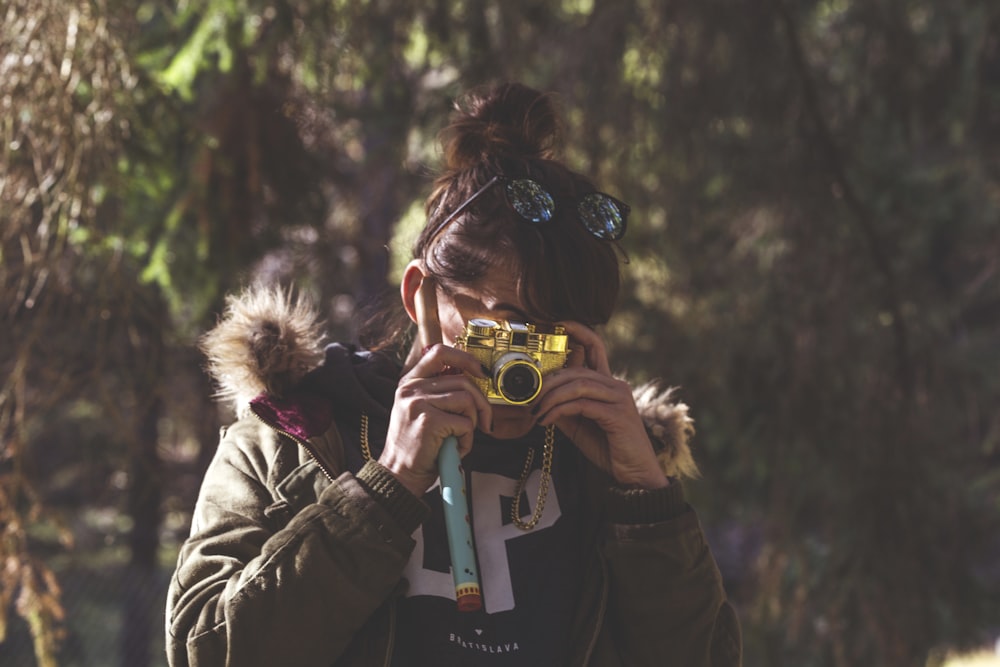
{"points": [[434, 399], [597, 412]]}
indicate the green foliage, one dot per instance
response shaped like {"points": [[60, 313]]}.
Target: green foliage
{"points": [[813, 253]]}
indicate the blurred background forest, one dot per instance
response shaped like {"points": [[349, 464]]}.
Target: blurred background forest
{"points": [[815, 262]]}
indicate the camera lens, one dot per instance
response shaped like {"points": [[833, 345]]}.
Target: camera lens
{"points": [[519, 380]]}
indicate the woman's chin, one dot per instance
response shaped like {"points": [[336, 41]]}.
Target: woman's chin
{"points": [[511, 421]]}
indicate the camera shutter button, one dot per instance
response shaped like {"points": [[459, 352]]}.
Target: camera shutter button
{"points": [[481, 326]]}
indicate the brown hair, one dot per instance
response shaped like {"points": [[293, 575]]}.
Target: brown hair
{"points": [[563, 272]]}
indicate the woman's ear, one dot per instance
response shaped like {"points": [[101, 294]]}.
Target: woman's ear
{"points": [[419, 293], [413, 277]]}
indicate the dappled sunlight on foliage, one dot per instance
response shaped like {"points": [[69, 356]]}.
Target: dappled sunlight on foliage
{"points": [[813, 262]]}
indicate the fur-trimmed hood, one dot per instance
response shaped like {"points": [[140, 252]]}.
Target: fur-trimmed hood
{"points": [[269, 340]]}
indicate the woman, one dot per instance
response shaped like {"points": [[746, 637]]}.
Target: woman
{"points": [[319, 537]]}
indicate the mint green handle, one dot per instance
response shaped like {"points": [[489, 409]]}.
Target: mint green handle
{"points": [[459, 527]]}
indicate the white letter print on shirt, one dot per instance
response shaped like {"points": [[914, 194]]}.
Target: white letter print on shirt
{"points": [[491, 536]]}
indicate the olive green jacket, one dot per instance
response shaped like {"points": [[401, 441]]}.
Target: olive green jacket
{"points": [[292, 561]]}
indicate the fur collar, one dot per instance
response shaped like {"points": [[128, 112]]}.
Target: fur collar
{"points": [[268, 340]]}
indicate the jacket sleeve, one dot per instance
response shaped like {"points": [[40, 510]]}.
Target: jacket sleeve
{"points": [[666, 602], [247, 592]]}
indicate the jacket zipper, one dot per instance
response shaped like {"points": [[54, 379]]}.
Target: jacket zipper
{"points": [[601, 609], [302, 443], [392, 633]]}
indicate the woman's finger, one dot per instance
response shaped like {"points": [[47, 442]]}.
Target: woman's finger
{"points": [[597, 411], [611, 415], [594, 354], [446, 393], [441, 358], [569, 385]]}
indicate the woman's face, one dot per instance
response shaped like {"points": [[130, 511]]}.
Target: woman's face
{"points": [[495, 298]]}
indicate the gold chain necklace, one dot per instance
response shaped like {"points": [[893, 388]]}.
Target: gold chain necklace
{"points": [[543, 485], [365, 449], [515, 508]]}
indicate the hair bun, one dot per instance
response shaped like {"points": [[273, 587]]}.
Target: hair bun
{"points": [[508, 120]]}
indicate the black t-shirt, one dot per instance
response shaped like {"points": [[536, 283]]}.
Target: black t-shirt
{"points": [[530, 579]]}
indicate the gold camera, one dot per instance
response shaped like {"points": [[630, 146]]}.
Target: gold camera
{"points": [[516, 355]]}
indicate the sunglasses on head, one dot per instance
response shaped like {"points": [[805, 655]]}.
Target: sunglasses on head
{"points": [[601, 214]]}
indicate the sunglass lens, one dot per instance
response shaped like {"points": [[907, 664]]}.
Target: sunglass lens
{"points": [[602, 216], [530, 201]]}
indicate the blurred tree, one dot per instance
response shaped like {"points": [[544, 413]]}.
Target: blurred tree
{"points": [[64, 83], [826, 173], [813, 259]]}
